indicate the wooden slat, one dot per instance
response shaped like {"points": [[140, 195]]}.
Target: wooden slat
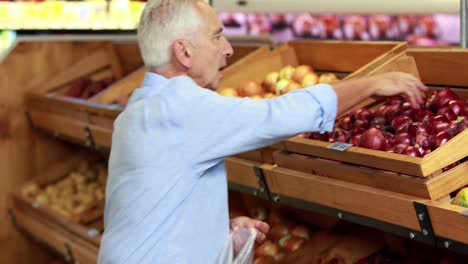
{"points": [[56, 237], [60, 124], [379, 204], [442, 66], [451, 180], [357, 174], [453, 150], [89, 64], [256, 65], [241, 171], [341, 56], [430, 188], [123, 87], [64, 106], [447, 221], [263, 155], [371, 158], [102, 136]]}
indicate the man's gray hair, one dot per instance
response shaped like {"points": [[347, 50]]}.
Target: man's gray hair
{"points": [[161, 23]]}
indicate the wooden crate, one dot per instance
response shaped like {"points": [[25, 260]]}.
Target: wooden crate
{"points": [[55, 236], [342, 57], [433, 188], [50, 109], [430, 164], [390, 207], [325, 56], [449, 221], [90, 216]]}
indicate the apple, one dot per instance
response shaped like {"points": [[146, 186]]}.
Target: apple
{"points": [[327, 78], [286, 72], [291, 87], [228, 91], [300, 72], [309, 79], [250, 88], [281, 86], [270, 81]]}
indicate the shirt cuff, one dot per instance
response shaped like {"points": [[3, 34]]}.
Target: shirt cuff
{"points": [[325, 96]]}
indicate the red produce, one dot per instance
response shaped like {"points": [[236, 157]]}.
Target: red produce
{"points": [[363, 123], [457, 106], [345, 123], [407, 110], [440, 119], [268, 248], [355, 139], [278, 231], [418, 127], [439, 127], [378, 121], [338, 135], [320, 136], [363, 114], [391, 100], [300, 231], [290, 243], [401, 120], [404, 138], [440, 139], [399, 148], [447, 112], [424, 116], [390, 112], [389, 139], [412, 151], [264, 260], [357, 131], [380, 111], [423, 141], [372, 139], [440, 98]]}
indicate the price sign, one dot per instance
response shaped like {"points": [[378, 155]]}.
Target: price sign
{"points": [[340, 146]]}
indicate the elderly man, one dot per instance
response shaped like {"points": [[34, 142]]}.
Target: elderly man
{"points": [[166, 198]]}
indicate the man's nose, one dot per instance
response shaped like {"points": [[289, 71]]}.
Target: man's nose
{"points": [[228, 51]]}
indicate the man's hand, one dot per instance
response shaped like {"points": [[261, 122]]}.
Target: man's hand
{"points": [[352, 91], [404, 84], [246, 222]]}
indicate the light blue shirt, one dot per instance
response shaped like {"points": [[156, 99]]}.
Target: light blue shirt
{"points": [[166, 199]]}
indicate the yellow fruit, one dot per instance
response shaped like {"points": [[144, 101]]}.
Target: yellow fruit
{"points": [[462, 198]]}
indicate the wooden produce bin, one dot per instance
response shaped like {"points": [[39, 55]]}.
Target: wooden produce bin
{"points": [[429, 165], [246, 176], [50, 108], [345, 58], [75, 249], [449, 222], [87, 223]]}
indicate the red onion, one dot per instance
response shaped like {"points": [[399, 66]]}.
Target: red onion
{"points": [[372, 139]]}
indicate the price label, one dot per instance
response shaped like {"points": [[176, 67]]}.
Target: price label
{"points": [[465, 213], [340, 146]]}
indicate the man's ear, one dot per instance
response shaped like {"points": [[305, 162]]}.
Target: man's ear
{"points": [[183, 53]]}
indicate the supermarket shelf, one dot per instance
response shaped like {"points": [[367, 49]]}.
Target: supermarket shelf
{"points": [[399, 214]]}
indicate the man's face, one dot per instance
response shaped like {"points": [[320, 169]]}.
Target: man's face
{"points": [[210, 49]]}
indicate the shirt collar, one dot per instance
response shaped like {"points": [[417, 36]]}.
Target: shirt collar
{"points": [[152, 84]]}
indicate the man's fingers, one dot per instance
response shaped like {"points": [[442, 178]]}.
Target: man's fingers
{"points": [[260, 237], [262, 226]]}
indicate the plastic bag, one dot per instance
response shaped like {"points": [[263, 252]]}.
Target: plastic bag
{"points": [[239, 249]]}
